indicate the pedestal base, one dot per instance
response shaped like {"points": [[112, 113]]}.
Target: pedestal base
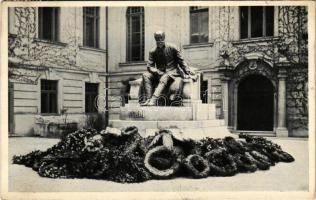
{"points": [[195, 120], [193, 111], [282, 132], [186, 129]]}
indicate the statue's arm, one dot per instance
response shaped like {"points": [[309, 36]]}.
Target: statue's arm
{"points": [[151, 67], [182, 63]]}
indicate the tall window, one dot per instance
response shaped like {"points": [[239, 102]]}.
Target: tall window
{"points": [[48, 96], [91, 25], [198, 24], [135, 33], [91, 96], [48, 23], [256, 21]]}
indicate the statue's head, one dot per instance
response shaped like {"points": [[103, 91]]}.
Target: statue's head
{"points": [[160, 38]]}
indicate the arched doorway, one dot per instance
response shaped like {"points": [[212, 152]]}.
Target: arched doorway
{"points": [[255, 104]]}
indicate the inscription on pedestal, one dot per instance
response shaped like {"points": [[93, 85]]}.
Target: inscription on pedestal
{"points": [[136, 114]]}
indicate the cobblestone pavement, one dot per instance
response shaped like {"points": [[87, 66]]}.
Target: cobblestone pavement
{"points": [[282, 177]]}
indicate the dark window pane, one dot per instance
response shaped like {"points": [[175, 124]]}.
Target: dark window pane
{"points": [[48, 96], [91, 95], [204, 27], [53, 103], [91, 26], [204, 91], [48, 23], [135, 33], [194, 19], [136, 39], [44, 103], [136, 23], [269, 20], [135, 53], [243, 22], [256, 21], [198, 24]]}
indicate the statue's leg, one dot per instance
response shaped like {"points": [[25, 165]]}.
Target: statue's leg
{"points": [[176, 92], [163, 81], [148, 83]]}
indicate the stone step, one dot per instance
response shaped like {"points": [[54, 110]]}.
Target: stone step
{"points": [[143, 125], [196, 134]]}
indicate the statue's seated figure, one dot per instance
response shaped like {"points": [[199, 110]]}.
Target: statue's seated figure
{"points": [[166, 73], [177, 92]]}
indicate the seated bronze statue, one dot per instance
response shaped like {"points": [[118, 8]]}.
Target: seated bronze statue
{"points": [[165, 66]]}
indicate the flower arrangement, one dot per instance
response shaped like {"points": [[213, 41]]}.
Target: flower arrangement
{"points": [[124, 156]]}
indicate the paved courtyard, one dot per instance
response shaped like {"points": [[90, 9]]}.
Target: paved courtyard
{"points": [[282, 177]]}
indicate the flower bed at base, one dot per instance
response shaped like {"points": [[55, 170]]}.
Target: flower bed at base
{"points": [[124, 156]]}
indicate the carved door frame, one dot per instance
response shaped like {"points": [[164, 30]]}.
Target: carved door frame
{"points": [[243, 70]]}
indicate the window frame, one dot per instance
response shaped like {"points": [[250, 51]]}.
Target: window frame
{"points": [[54, 24], [47, 98], [129, 29], [264, 22], [96, 27], [199, 9], [91, 93]]}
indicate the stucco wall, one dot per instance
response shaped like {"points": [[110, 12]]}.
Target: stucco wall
{"points": [[71, 96], [67, 52]]}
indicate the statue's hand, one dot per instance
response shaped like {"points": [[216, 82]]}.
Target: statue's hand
{"points": [[159, 72], [153, 70], [194, 77]]}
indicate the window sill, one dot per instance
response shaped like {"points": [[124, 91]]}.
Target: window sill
{"points": [[198, 45], [131, 63], [257, 39], [92, 49], [50, 42], [49, 114]]}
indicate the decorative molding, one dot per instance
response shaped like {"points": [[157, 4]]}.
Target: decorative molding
{"points": [[92, 49], [129, 64], [198, 45], [250, 67], [126, 73], [56, 43], [254, 40]]}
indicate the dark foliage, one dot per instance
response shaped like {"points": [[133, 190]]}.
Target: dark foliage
{"points": [[124, 156]]}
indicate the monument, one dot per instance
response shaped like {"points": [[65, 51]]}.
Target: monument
{"points": [[168, 97]]}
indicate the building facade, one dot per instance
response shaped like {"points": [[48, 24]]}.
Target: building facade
{"points": [[253, 61], [252, 69], [57, 69]]}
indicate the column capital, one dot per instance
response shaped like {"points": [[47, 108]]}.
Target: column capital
{"points": [[282, 73], [225, 78], [282, 65], [225, 72]]}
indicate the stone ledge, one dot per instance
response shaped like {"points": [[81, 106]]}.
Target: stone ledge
{"points": [[142, 125], [196, 134]]}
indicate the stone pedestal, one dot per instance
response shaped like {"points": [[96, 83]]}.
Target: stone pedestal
{"points": [[192, 120], [196, 111], [199, 119]]}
